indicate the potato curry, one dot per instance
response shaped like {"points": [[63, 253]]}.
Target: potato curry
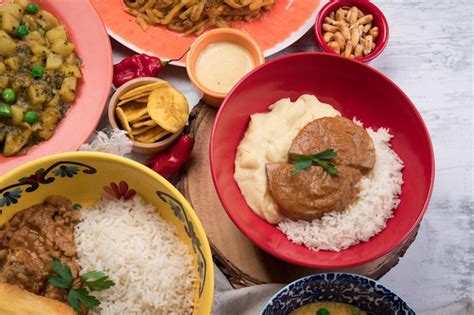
{"points": [[39, 69]]}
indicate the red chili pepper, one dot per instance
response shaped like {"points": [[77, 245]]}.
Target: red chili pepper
{"points": [[170, 161], [137, 66]]}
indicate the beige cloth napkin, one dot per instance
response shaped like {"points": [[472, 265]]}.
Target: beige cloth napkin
{"points": [[246, 301]]}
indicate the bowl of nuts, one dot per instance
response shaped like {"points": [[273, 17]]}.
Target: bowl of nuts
{"points": [[355, 29]]}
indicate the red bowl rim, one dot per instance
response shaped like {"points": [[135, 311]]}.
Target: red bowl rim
{"points": [[281, 255], [382, 41]]}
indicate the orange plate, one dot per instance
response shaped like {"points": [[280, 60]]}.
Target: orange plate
{"points": [[88, 34], [274, 30]]}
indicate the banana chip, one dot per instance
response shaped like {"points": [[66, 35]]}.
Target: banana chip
{"points": [[141, 130], [142, 99], [144, 89], [137, 97], [168, 108], [135, 111], [143, 123], [151, 135], [123, 121]]}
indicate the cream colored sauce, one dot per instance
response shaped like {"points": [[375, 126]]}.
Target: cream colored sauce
{"points": [[221, 65], [267, 140]]}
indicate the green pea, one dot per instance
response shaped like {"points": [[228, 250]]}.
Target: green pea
{"points": [[30, 117], [322, 311], [32, 8], [5, 111], [37, 72], [22, 31], [9, 95]]}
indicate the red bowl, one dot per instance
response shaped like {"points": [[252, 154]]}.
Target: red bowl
{"points": [[357, 91], [368, 8]]}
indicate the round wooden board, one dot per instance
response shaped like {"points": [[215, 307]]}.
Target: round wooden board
{"points": [[241, 261]]}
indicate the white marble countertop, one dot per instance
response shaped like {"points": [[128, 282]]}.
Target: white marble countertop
{"points": [[430, 56]]}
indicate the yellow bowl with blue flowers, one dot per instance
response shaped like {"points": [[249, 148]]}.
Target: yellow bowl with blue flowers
{"points": [[86, 177]]}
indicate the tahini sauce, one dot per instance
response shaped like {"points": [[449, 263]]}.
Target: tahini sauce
{"points": [[221, 65]]}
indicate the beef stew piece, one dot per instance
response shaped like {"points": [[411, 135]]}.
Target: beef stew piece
{"points": [[311, 193], [352, 143], [30, 241]]}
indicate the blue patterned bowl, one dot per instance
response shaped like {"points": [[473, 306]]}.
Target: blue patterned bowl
{"points": [[365, 293]]}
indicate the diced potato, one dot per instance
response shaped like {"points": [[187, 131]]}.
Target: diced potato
{"points": [[13, 63], [55, 101], [39, 50], [22, 80], [38, 60], [36, 126], [57, 33], [17, 114], [7, 45], [16, 85], [35, 38], [2, 68], [16, 139], [30, 21], [53, 61], [4, 34], [3, 81], [68, 89], [37, 94], [9, 23], [50, 118], [70, 71], [42, 31], [62, 47], [12, 8], [72, 59], [46, 20], [22, 3]]}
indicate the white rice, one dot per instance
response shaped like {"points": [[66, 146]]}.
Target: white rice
{"points": [[378, 196], [151, 267]]}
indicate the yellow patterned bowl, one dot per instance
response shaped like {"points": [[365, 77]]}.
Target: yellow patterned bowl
{"points": [[84, 177]]}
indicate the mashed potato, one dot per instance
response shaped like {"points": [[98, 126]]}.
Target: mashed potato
{"points": [[267, 140]]}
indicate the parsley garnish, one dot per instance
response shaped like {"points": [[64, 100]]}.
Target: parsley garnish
{"points": [[323, 159], [79, 296], [93, 280], [97, 280], [64, 277]]}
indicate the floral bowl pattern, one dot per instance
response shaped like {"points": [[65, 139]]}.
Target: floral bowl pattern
{"points": [[85, 177], [365, 293]]}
